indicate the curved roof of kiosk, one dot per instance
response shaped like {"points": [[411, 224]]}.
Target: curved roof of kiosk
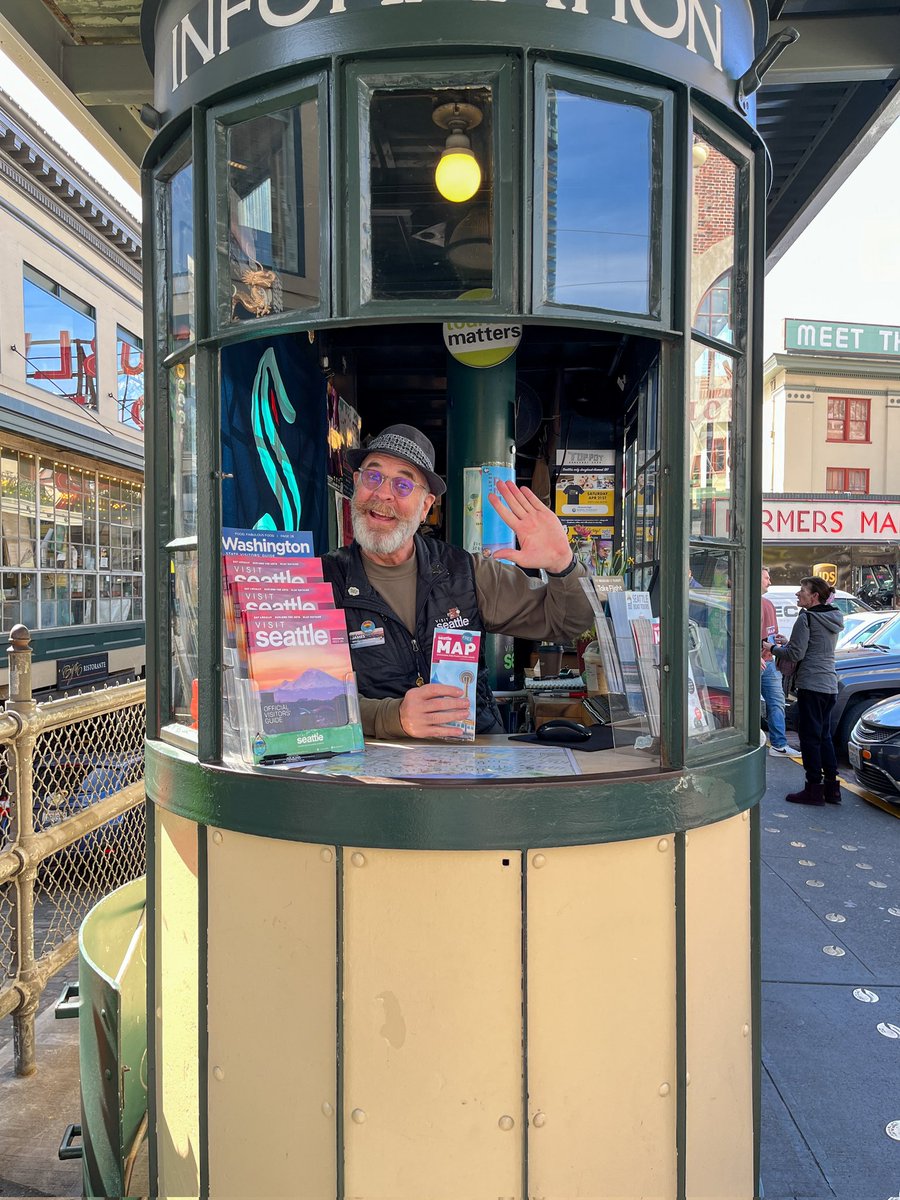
{"points": [[822, 106]]}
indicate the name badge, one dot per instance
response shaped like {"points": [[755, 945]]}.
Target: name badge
{"points": [[367, 635]]}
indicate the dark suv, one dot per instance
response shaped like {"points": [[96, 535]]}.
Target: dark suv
{"points": [[866, 674]]}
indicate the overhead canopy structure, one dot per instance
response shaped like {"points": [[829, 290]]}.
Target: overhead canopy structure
{"points": [[821, 108]]}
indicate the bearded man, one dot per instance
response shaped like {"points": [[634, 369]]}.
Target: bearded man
{"points": [[396, 586]]}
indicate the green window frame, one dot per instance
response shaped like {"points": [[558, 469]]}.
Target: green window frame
{"points": [[311, 224], [361, 81], [718, 434], [660, 105]]}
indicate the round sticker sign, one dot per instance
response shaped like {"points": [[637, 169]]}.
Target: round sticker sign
{"points": [[477, 343]]}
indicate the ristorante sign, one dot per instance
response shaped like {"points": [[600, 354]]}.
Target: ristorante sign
{"points": [[820, 519], [208, 29]]}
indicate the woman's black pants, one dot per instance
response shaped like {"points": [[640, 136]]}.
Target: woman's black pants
{"points": [[814, 727]]}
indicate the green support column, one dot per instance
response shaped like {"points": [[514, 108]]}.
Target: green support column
{"points": [[481, 416]]}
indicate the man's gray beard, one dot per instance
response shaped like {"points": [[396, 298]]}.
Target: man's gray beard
{"points": [[388, 542]]}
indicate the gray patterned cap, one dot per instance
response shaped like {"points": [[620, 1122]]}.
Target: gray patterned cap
{"points": [[402, 441]]}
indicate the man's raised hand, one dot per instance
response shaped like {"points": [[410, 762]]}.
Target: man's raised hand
{"points": [[542, 540]]}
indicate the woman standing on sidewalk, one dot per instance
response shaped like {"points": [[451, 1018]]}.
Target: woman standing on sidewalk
{"points": [[811, 647]]}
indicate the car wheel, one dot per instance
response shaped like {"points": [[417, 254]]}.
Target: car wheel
{"points": [[852, 713]]}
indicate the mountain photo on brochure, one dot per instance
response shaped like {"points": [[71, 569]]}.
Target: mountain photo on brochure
{"points": [[301, 691]]}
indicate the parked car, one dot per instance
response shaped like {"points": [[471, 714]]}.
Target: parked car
{"points": [[64, 786], [866, 674], [860, 628], [874, 749], [786, 607]]}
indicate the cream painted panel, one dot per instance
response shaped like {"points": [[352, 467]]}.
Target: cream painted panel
{"points": [[177, 1034], [719, 1046], [432, 1025], [601, 1021], [272, 1024]]}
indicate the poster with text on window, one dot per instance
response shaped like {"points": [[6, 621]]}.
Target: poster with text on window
{"points": [[585, 483]]}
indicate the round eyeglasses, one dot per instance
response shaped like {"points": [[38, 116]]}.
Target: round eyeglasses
{"points": [[400, 485]]}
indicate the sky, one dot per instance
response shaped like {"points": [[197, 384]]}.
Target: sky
{"points": [[845, 266]]}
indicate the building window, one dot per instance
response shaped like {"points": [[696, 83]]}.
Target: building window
{"points": [[713, 316], [71, 550], [847, 479], [60, 340], [130, 378], [848, 419]]}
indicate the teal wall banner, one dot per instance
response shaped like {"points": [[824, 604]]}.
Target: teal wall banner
{"points": [[830, 337]]}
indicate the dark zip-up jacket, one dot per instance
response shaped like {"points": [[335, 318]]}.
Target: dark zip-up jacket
{"points": [[445, 595], [812, 647]]}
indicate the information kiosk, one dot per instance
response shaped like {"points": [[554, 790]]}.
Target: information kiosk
{"points": [[495, 969]]}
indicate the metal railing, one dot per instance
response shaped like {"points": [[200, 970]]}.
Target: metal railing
{"points": [[71, 827]]}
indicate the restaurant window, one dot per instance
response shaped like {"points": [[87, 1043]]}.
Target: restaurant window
{"points": [[72, 549], [847, 479], [601, 220], [129, 379], [848, 419], [60, 340]]}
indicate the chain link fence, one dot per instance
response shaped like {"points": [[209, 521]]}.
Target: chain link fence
{"points": [[71, 827]]}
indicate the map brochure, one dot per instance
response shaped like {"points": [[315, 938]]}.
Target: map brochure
{"points": [[300, 692], [454, 661], [267, 543]]}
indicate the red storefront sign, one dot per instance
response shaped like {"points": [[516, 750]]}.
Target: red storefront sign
{"points": [[818, 518]]}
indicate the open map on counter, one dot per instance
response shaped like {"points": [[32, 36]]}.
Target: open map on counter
{"points": [[394, 760]]}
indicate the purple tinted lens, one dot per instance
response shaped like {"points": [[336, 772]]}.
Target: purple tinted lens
{"points": [[402, 487]]}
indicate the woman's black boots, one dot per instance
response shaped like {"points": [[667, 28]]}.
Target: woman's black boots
{"points": [[813, 793]]}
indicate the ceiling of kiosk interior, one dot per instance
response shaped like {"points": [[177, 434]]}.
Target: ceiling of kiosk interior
{"points": [[822, 105], [572, 391]]}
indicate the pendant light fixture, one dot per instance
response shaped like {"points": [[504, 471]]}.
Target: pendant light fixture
{"points": [[457, 175]]}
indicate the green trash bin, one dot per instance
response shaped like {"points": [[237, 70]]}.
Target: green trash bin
{"points": [[113, 1037]]}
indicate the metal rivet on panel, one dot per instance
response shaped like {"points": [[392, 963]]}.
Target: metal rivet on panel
{"points": [[539, 1120], [217, 837], [358, 860], [687, 1079], [745, 1030], [219, 1072], [506, 1123], [358, 1116], [539, 861], [662, 845], [326, 855], [745, 816], [107, 1074], [327, 1109], [664, 1089], [687, 839]]}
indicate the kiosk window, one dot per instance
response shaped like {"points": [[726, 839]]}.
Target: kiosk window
{"points": [[183, 419], [716, 183], [599, 203], [431, 226], [180, 265], [711, 432], [711, 642], [274, 223]]}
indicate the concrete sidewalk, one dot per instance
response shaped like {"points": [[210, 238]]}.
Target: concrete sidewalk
{"points": [[831, 1017]]}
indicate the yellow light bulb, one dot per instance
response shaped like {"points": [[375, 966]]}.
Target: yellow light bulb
{"points": [[457, 175]]}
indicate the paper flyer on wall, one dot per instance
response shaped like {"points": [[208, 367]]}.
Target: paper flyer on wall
{"points": [[585, 484], [472, 509], [300, 692], [454, 662]]}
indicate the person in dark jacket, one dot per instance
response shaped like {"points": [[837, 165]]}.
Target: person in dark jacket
{"points": [[811, 647], [396, 586]]}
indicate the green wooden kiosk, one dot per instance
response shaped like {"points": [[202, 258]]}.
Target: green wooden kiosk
{"points": [[469, 987]]}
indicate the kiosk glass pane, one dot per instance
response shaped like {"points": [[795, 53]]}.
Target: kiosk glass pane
{"points": [[710, 430], [183, 418], [714, 220], [711, 673], [183, 615], [599, 197], [273, 213], [424, 245], [180, 266]]}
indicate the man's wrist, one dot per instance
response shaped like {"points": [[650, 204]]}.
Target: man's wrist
{"points": [[567, 570]]}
